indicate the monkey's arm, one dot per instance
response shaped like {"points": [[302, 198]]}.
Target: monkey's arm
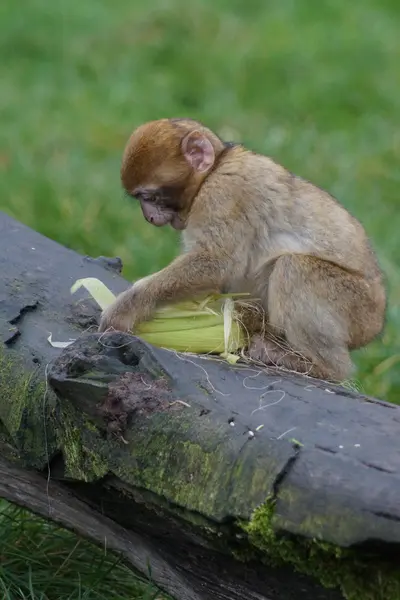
{"points": [[188, 276]]}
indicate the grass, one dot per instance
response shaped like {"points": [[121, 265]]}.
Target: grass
{"points": [[41, 562], [314, 84]]}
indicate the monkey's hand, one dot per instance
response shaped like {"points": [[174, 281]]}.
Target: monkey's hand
{"points": [[128, 309], [186, 277]]}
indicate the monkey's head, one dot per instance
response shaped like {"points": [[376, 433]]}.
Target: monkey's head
{"points": [[164, 164]]}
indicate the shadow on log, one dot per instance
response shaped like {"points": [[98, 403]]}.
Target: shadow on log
{"points": [[226, 482]]}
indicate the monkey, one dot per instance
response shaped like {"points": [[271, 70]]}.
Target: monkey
{"points": [[250, 225]]}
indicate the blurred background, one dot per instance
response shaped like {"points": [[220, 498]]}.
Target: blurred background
{"points": [[315, 85]]}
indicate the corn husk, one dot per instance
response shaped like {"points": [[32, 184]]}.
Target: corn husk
{"points": [[206, 326]]}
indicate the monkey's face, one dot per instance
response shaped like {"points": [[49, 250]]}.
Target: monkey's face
{"points": [[163, 166], [160, 208]]}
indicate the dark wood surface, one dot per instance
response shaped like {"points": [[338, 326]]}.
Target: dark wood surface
{"points": [[331, 455]]}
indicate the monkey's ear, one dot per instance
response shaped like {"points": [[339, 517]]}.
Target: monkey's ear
{"points": [[198, 151]]}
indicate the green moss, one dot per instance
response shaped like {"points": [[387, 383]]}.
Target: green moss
{"points": [[166, 461], [152, 462], [15, 391], [72, 450], [172, 468], [82, 462], [187, 462], [358, 575], [25, 406], [190, 463], [321, 524]]}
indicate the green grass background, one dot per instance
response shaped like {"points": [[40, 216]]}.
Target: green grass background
{"points": [[316, 85]]}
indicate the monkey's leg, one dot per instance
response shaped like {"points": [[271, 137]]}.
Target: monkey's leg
{"points": [[321, 311], [276, 352]]}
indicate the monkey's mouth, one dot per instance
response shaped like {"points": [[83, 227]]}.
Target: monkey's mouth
{"points": [[178, 223], [155, 214]]}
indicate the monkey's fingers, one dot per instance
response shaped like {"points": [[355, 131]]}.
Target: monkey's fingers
{"points": [[115, 321]]}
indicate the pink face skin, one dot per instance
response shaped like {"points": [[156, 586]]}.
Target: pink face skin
{"points": [[159, 216]]}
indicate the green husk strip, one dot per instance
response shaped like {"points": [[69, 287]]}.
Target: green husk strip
{"points": [[210, 341], [207, 326], [179, 323], [96, 288]]}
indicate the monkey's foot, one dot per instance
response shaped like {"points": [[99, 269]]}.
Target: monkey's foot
{"points": [[278, 354]]}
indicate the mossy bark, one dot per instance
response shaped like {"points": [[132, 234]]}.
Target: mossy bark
{"points": [[26, 435], [359, 575], [193, 464], [170, 447]]}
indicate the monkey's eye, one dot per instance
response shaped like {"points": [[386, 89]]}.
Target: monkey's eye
{"points": [[143, 196]]}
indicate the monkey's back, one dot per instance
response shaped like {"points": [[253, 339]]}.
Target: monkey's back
{"points": [[288, 214]]}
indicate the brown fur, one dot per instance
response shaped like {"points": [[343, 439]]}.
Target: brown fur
{"points": [[250, 225]]}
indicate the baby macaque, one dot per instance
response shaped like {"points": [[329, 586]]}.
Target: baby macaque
{"points": [[249, 225]]}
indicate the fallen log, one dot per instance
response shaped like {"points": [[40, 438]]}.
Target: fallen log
{"points": [[225, 481]]}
